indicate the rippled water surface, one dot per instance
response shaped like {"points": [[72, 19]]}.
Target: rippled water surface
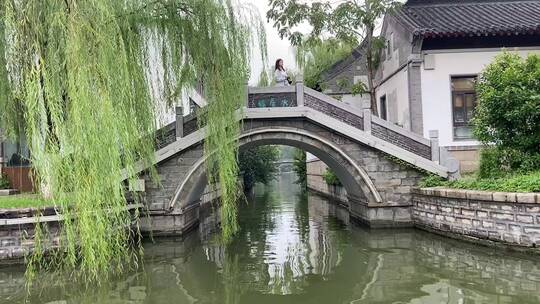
{"points": [[296, 248]]}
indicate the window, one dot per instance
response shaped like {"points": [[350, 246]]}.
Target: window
{"points": [[382, 108], [463, 105]]}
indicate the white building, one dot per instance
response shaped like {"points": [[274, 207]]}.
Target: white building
{"points": [[435, 51]]}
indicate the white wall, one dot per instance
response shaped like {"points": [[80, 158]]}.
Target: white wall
{"points": [[396, 90], [356, 100], [436, 91]]}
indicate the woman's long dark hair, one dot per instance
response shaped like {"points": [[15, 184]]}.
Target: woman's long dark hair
{"points": [[278, 67]]}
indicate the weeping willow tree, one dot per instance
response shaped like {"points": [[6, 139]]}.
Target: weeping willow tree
{"points": [[76, 77]]}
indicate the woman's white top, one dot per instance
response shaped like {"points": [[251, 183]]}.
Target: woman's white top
{"points": [[281, 78]]}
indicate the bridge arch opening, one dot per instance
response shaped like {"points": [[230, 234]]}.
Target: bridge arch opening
{"points": [[355, 180]]}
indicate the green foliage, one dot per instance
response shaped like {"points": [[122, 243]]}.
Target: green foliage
{"points": [[299, 167], [432, 181], [498, 162], [349, 21], [258, 165], [78, 78], [317, 56], [4, 182], [342, 83], [490, 164], [330, 178], [529, 182], [359, 88], [508, 116], [508, 111]]}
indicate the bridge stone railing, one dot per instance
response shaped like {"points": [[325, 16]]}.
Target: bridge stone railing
{"points": [[299, 96], [272, 97]]}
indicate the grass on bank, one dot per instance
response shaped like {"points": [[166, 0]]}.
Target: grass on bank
{"points": [[23, 201], [529, 182]]}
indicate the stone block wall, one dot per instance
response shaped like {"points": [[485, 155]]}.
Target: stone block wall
{"points": [[315, 170], [468, 157], [17, 232], [486, 217]]}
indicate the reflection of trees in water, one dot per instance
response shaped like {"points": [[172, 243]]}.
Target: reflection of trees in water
{"points": [[281, 243]]}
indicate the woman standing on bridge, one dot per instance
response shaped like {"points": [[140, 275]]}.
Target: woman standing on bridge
{"points": [[280, 75]]}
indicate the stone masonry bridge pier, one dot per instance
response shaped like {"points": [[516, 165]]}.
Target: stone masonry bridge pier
{"points": [[377, 162]]}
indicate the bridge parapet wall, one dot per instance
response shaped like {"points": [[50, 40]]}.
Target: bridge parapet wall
{"points": [[282, 100]]}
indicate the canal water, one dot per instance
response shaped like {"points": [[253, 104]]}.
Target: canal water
{"points": [[297, 247]]}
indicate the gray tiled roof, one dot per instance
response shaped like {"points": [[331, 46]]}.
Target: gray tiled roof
{"points": [[459, 18], [338, 67]]}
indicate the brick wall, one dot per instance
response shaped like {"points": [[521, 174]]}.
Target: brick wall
{"points": [[401, 141], [334, 112], [506, 218]]}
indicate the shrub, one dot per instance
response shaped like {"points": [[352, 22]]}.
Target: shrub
{"points": [[508, 111], [490, 163], [330, 178], [4, 182], [498, 162]]}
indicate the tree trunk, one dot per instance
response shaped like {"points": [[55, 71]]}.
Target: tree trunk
{"points": [[370, 70]]}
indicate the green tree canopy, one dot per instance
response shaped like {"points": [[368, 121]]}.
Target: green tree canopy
{"points": [[258, 165], [77, 78], [317, 57], [508, 111], [507, 118]]}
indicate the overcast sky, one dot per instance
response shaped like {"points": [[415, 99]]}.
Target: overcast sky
{"points": [[277, 48]]}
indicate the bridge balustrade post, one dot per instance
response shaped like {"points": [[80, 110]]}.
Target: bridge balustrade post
{"points": [[367, 116], [179, 122], [434, 140], [300, 90]]}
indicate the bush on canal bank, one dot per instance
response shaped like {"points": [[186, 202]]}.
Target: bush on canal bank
{"points": [[523, 182]]}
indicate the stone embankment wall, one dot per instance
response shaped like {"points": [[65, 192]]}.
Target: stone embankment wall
{"points": [[485, 217], [18, 228]]}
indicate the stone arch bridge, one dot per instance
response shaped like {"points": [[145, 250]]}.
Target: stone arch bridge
{"points": [[377, 161]]}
